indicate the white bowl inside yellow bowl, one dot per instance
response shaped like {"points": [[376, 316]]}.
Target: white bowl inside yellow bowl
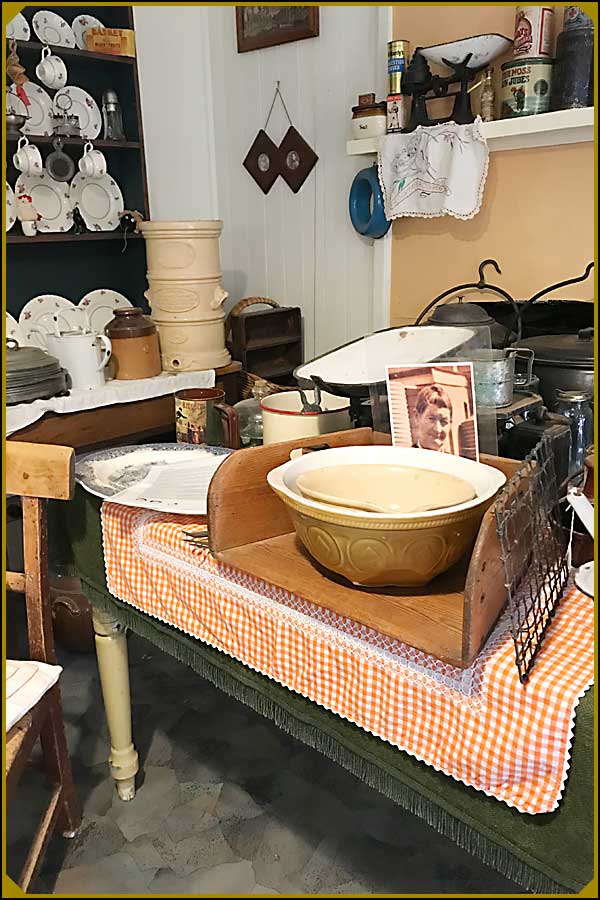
{"points": [[381, 549]]}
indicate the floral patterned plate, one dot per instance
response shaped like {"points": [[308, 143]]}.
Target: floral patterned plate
{"points": [[18, 28], [98, 307], [76, 102], [100, 201], [52, 29], [80, 26], [40, 314], [39, 109], [11, 207], [50, 198]]}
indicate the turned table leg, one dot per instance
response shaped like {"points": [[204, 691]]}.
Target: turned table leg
{"points": [[111, 650]]}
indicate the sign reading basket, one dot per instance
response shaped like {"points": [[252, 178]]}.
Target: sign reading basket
{"points": [[116, 41]]}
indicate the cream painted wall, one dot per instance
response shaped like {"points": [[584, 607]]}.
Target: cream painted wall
{"points": [[537, 217]]}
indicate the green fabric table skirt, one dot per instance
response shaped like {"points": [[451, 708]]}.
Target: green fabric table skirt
{"points": [[549, 853]]}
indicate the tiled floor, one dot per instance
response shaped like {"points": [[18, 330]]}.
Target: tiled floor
{"points": [[227, 803]]}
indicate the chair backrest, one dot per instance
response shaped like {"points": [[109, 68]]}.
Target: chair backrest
{"points": [[37, 473], [45, 471]]}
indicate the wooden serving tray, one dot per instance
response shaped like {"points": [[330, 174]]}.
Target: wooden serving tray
{"points": [[250, 530]]}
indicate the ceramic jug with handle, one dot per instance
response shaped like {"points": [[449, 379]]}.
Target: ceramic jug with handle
{"points": [[84, 356]]}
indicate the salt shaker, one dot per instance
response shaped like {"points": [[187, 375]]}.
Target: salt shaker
{"points": [[111, 116]]}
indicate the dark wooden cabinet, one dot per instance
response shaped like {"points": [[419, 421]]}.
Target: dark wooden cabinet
{"points": [[66, 263]]}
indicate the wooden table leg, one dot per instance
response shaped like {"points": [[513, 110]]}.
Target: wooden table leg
{"points": [[111, 650]]}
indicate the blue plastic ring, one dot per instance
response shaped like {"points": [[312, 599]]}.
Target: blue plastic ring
{"points": [[366, 204]]}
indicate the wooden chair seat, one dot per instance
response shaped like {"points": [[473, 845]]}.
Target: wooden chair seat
{"points": [[36, 473]]}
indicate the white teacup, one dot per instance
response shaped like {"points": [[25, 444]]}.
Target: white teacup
{"points": [[84, 356], [27, 158], [92, 163], [51, 70]]}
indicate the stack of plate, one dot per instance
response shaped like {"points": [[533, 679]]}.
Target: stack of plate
{"points": [[32, 374]]}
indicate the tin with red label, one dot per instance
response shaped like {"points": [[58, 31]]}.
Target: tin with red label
{"points": [[534, 31]]}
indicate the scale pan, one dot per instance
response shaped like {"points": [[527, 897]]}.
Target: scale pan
{"points": [[483, 47]]}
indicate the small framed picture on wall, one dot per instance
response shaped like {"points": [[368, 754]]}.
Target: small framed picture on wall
{"points": [[268, 26]]}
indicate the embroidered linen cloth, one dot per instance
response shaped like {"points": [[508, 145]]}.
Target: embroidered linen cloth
{"points": [[478, 725], [434, 171], [26, 682]]}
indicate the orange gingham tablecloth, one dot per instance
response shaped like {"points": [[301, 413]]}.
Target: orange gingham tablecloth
{"points": [[478, 725]]}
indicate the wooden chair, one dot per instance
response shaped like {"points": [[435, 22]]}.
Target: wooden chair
{"points": [[38, 472]]}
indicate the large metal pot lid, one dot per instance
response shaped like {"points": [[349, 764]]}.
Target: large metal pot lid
{"points": [[21, 359], [575, 350], [460, 314]]}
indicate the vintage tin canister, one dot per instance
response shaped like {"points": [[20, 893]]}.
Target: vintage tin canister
{"points": [[534, 31], [398, 52], [525, 89]]}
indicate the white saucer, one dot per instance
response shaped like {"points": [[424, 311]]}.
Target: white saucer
{"points": [[51, 199], [83, 106], [39, 109], [52, 29], [100, 201], [584, 578], [18, 28], [11, 207], [40, 313], [80, 26]]}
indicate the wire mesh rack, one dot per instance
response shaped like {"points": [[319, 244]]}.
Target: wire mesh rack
{"points": [[533, 552]]}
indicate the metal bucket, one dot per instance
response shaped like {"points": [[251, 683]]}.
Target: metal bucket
{"points": [[493, 376]]}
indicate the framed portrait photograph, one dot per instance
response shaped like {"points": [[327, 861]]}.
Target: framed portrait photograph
{"points": [[268, 26], [433, 407]]}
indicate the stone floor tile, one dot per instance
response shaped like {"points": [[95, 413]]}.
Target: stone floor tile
{"points": [[188, 818], [262, 891], [235, 802], [283, 852], [245, 835], [117, 874], [228, 878], [208, 794], [144, 853], [204, 849], [98, 837], [326, 869], [153, 802]]}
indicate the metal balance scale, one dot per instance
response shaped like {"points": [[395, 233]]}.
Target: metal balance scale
{"points": [[465, 57]]}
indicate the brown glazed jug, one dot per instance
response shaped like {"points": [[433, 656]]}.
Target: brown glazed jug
{"points": [[135, 347]]}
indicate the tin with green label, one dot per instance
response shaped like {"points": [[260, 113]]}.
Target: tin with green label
{"points": [[525, 89]]}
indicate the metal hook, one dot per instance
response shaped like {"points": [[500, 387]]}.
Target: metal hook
{"points": [[487, 262]]}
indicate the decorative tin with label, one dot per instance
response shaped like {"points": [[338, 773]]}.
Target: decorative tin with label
{"points": [[534, 31], [525, 87], [398, 52]]}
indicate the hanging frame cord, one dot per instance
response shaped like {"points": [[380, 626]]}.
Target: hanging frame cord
{"points": [[280, 95]]}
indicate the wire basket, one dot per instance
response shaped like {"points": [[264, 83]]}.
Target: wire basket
{"points": [[533, 550], [247, 381]]}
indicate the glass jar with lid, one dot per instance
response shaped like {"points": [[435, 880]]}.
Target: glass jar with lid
{"points": [[576, 406], [250, 415]]}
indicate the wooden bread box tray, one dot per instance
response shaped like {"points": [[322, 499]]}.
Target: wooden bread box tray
{"points": [[249, 529]]}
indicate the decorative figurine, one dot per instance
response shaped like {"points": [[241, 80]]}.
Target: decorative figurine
{"points": [[27, 215], [78, 221]]}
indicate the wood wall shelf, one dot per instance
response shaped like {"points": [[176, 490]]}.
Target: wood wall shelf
{"points": [[98, 143], [566, 126], [62, 236], [73, 53]]}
